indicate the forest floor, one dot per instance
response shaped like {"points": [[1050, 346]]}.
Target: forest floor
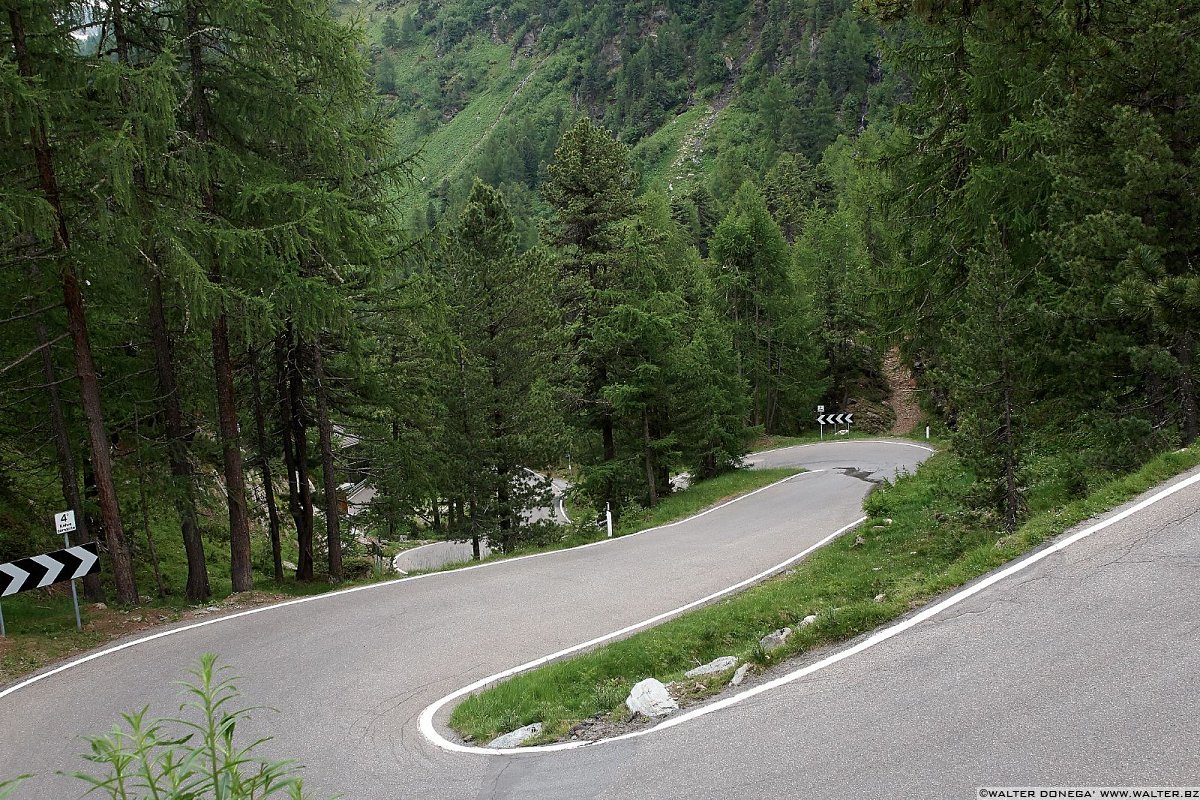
{"points": [[27, 652]]}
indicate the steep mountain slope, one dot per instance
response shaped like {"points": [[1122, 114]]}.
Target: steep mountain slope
{"points": [[707, 93]]}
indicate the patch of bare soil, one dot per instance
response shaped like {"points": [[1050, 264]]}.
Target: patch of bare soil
{"points": [[22, 655], [903, 398]]}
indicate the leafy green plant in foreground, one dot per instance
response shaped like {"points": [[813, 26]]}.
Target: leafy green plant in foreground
{"points": [[193, 757]]}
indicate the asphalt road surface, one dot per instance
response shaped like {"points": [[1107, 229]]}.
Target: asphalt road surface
{"points": [[438, 554], [1080, 669]]}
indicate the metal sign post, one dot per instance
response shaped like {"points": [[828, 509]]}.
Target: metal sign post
{"points": [[38, 572], [842, 418], [64, 523], [821, 420]]}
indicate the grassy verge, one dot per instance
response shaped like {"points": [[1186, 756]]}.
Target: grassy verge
{"points": [[772, 442], [677, 506], [41, 624], [934, 542]]}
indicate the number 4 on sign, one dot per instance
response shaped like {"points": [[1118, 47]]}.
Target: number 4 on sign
{"points": [[64, 522]]}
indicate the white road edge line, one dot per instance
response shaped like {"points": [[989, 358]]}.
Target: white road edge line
{"points": [[313, 598], [426, 719], [928, 612], [925, 447]]}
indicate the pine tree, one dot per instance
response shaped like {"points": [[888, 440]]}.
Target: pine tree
{"points": [[750, 268], [501, 311], [591, 192]]}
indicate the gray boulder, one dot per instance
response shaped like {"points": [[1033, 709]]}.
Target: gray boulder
{"points": [[651, 699], [774, 640], [716, 665], [809, 620], [516, 738], [740, 675]]}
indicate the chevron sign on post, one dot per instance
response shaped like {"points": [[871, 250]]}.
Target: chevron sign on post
{"points": [[835, 419], [39, 571]]}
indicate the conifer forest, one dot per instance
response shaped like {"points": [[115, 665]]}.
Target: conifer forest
{"points": [[264, 258]]}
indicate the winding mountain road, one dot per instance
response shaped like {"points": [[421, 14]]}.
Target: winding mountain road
{"points": [[1079, 668]]}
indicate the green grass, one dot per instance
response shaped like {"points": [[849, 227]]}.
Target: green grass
{"points": [[935, 542], [700, 496], [675, 507], [659, 150], [41, 624], [772, 441]]}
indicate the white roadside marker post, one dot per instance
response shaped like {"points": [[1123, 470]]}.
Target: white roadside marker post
{"points": [[64, 523], [608, 517]]}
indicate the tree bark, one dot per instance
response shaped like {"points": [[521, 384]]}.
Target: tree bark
{"points": [[333, 530], [264, 463], [240, 571], [284, 398], [304, 532], [89, 383], [151, 549], [227, 424], [1011, 496], [197, 589], [648, 455], [92, 590], [1187, 388]]}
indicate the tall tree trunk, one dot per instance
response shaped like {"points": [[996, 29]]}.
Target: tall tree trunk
{"points": [[264, 463], [183, 492], [1187, 388], [89, 383], [235, 481], [333, 531], [304, 532], [284, 396], [475, 544], [197, 589], [145, 504], [92, 590], [1008, 433], [648, 456]]}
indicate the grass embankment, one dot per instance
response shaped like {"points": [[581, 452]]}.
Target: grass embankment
{"points": [[674, 507], [935, 542], [41, 623]]}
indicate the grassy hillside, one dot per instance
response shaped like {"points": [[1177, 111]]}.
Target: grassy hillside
{"points": [[486, 91]]}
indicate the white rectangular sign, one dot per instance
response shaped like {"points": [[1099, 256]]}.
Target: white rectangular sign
{"points": [[64, 521]]}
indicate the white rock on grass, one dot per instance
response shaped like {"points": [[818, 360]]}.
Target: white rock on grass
{"points": [[716, 665], [740, 675], [651, 699], [516, 738], [774, 640], [809, 620]]}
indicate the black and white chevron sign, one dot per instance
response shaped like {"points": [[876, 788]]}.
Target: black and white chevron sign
{"points": [[835, 419], [38, 571]]}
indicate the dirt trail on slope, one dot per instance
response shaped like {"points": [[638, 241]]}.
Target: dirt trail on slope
{"points": [[691, 148], [902, 398]]}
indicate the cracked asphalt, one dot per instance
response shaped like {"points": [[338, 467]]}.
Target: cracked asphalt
{"points": [[1079, 670]]}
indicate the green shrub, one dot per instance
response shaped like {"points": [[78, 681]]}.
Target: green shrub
{"points": [[194, 758]]}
